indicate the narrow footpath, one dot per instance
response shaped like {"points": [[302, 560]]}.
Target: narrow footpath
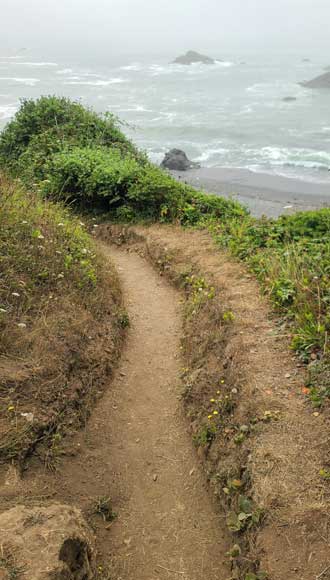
{"points": [[166, 525]]}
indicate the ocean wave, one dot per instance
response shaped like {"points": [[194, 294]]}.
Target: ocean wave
{"points": [[209, 154], [38, 64], [64, 71], [135, 109], [10, 57], [158, 69], [298, 155], [287, 158], [134, 67], [96, 83], [25, 81], [224, 63]]}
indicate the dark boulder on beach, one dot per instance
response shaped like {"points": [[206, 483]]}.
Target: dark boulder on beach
{"points": [[289, 99], [320, 82], [192, 57], [177, 160]]}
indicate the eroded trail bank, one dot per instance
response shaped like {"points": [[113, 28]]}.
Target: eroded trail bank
{"points": [[166, 523]]}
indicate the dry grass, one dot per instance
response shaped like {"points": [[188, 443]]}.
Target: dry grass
{"points": [[60, 329]]}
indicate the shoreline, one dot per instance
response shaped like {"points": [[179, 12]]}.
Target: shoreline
{"points": [[262, 193]]}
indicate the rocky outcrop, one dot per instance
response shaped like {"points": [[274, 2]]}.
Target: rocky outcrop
{"points": [[177, 160], [48, 543], [320, 82], [192, 57]]}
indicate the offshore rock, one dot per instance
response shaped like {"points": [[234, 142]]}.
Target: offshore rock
{"points": [[177, 160]]}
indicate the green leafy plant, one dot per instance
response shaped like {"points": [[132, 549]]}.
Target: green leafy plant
{"points": [[245, 518], [205, 435]]}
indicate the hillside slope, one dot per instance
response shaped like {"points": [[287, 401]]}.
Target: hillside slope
{"points": [[60, 331]]}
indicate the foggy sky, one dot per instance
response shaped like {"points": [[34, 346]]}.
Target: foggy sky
{"points": [[96, 27]]}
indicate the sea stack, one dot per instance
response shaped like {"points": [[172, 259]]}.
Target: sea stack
{"points": [[192, 57], [177, 160], [320, 82]]}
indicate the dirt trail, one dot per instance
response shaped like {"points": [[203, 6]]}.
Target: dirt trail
{"points": [[167, 526], [136, 449]]}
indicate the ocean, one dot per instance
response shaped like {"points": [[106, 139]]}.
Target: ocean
{"points": [[229, 115]]}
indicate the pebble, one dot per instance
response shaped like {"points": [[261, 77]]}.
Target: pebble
{"points": [[155, 477]]}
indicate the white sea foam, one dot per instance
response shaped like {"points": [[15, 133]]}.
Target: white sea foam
{"points": [[10, 57], [134, 67], [96, 83], [64, 71], [25, 81], [38, 64], [224, 63], [292, 157], [210, 154], [136, 109]]}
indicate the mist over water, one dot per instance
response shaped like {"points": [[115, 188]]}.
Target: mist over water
{"points": [[231, 114]]}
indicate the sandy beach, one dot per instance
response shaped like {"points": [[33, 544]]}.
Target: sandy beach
{"points": [[264, 194]]}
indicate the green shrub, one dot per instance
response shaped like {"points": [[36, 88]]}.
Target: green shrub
{"points": [[104, 176], [60, 122], [90, 175]]}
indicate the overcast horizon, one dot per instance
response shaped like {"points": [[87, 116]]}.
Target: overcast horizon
{"points": [[82, 29]]}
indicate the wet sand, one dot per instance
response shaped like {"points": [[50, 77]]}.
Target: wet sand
{"points": [[264, 194]]}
